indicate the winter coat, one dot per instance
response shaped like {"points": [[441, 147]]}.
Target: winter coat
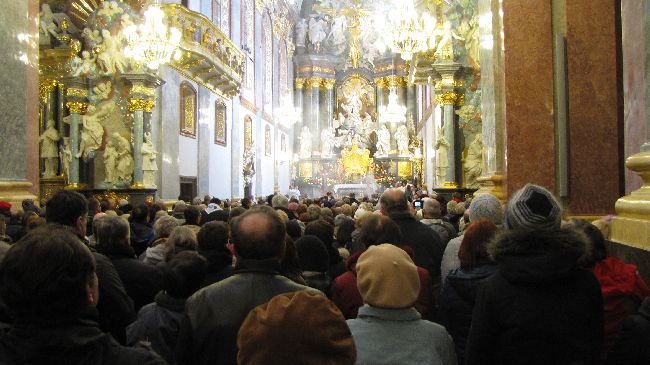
{"points": [[426, 244], [399, 336], [141, 235], [155, 254], [457, 303], [158, 323], [219, 266], [141, 281], [318, 280], [633, 347], [213, 315], [345, 293], [539, 307], [450, 260], [445, 230], [71, 342]]}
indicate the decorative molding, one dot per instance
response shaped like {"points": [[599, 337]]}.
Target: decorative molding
{"points": [[299, 82], [329, 83], [451, 98], [77, 107], [316, 69], [75, 92], [315, 82], [141, 104], [248, 105]]}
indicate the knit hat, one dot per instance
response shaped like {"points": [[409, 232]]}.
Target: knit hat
{"points": [[293, 206], [387, 277], [5, 205], [312, 254], [280, 201], [533, 207], [295, 328], [486, 206]]}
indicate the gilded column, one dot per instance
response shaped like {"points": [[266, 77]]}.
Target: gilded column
{"points": [[449, 97], [328, 84], [77, 102], [315, 122]]}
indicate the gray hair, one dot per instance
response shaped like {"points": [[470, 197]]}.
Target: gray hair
{"points": [[164, 226], [183, 236], [110, 232], [431, 208]]}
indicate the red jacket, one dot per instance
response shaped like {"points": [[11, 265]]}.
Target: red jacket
{"points": [[345, 293]]}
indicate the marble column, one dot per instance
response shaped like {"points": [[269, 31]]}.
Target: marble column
{"points": [[380, 83], [19, 103], [77, 103], [411, 109], [299, 102], [631, 226], [449, 96], [492, 99], [328, 84], [236, 121], [315, 117]]}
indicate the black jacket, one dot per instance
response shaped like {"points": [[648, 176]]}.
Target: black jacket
{"points": [[426, 243], [219, 265], [214, 314], [141, 235], [70, 343], [633, 348], [539, 307]]}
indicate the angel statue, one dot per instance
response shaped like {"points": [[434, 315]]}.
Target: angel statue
{"points": [[305, 142], [92, 132], [402, 137], [442, 162], [328, 140], [249, 164], [301, 33], [474, 161], [50, 149], [317, 32], [47, 24], [149, 165], [66, 156], [383, 141]]}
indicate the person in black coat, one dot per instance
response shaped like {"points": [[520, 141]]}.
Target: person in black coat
{"points": [[48, 281], [141, 281], [141, 231], [633, 348], [212, 239], [540, 306]]}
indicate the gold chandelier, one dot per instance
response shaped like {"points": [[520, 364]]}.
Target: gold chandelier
{"points": [[152, 43], [409, 34]]}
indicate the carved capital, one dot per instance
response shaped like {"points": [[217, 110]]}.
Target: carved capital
{"points": [[76, 92], [141, 104], [299, 82], [450, 98], [77, 107], [315, 82], [329, 83]]}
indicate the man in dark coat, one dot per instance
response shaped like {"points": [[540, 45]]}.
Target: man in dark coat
{"points": [[116, 309], [214, 314], [49, 283], [426, 244], [540, 307]]}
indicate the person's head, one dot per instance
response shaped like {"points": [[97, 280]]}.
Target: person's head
{"points": [[235, 212], [280, 201], [181, 239], [105, 205], [68, 208], [346, 209], [164, 226], [213, 236], [597, 250], [93, 206], [531, 208], [258, 234], [48, 275], [293, 229], [312, 254], [431, 209], [321, 229], [378, 229], [111, 233], [387, 277], [184, 274], [296, 328], [246, 203], [140, 214], [393, 201], [192, 215], [473, 249], [486, 206]]}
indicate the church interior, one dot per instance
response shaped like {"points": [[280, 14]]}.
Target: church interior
{"points": [[171, 100]]}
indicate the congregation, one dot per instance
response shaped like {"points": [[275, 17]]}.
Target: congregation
{"points": [[282, 280]]}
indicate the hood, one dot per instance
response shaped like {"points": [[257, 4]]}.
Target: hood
{"points": [[538, 256], [466, 283]]}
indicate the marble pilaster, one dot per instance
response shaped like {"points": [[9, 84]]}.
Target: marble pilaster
{"points": [[449, 96], [314, 84], [205, 140], [329, 101], [236, 120], [76, 102], [166, 121]]}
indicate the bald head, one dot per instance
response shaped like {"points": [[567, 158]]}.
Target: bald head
{"points": [[393, 201], [258, 234]]}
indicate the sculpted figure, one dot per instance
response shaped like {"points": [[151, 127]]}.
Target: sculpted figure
{"points": [[317, 32], [66, 156], [110, 162], [442, 162], [149, 165], [125, 162], [328, 141], [305, 142], [301, 33], [402, 137], [474, 161], [92, 132], [49, 148], [249, 163], [112, 59], [47, 23], [84, 65], [383, 141]]}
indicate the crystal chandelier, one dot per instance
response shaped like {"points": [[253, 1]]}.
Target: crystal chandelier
{"points": [[152, 43], [393, 112], [409, 34]]}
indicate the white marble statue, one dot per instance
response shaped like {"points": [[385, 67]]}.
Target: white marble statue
{"points": [[366, 123], [402, 138], [92, 132], [445, 48], [110, 8], [50, 149], [101, 91], [305, 142], [383, 141], [66, 156], [110, 162], [83, 66], [469, 30], [337, 34], [47, 24], [112, 59], [149, 165], [474, 161], [93, 37], [442, 162], [249, 163], [301, 33], [340, 122], [317, 32], [327, 143], [125, 163]]}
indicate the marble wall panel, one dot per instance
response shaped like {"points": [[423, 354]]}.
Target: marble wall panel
{"points": [[168, 132], [595, 163], [528, 67], [205, 139]]}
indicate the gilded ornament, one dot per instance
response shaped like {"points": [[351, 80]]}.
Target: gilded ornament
{"points": [[76, 92], [45, 88], [77, 107], [329, 83], [137, 185], [306, 169], [404, 169], [315, 82], [299, 82], [143, 90], [381, 83], [450, 98], [141, 104], [355, 161]]}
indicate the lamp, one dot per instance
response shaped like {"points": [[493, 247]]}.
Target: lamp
{"points": [[393, 112], [152, 42], [409, 34]]}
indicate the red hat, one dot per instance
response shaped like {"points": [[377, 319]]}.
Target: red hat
{"points": [[5, 205]]}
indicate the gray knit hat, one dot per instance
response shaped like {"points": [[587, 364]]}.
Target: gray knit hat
{"points": [[533, 207], [486, 206]]}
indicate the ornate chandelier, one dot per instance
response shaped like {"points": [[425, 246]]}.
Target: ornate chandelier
{"points": [[409, 34], [393, 112], [152, 43]]}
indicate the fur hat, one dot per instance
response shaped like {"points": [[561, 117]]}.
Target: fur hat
{"points": [[533, 207], [387, 277], [280, 201], [486, 206], [295, 328]]}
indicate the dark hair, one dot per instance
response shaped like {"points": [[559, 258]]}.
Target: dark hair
{"points": [[290, 264], [259, 233], [235, 212], [216, 201], [184, 274], [246, 203], [344, 233], [140, 213], [44, 275], [312, 253], [325, 232], [597, 250], [473, 249], [105, 205], [93, 205], [394, 200], [111, 233], [293, 229], [65, 207], [213, 236], [191, 215], [378, 229]]}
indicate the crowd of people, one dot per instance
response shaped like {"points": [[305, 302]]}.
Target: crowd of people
{"points": [[402, 278]]}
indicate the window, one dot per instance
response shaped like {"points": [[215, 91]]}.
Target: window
{"points": [[220, 126], [221, 15], [188, 109]]}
